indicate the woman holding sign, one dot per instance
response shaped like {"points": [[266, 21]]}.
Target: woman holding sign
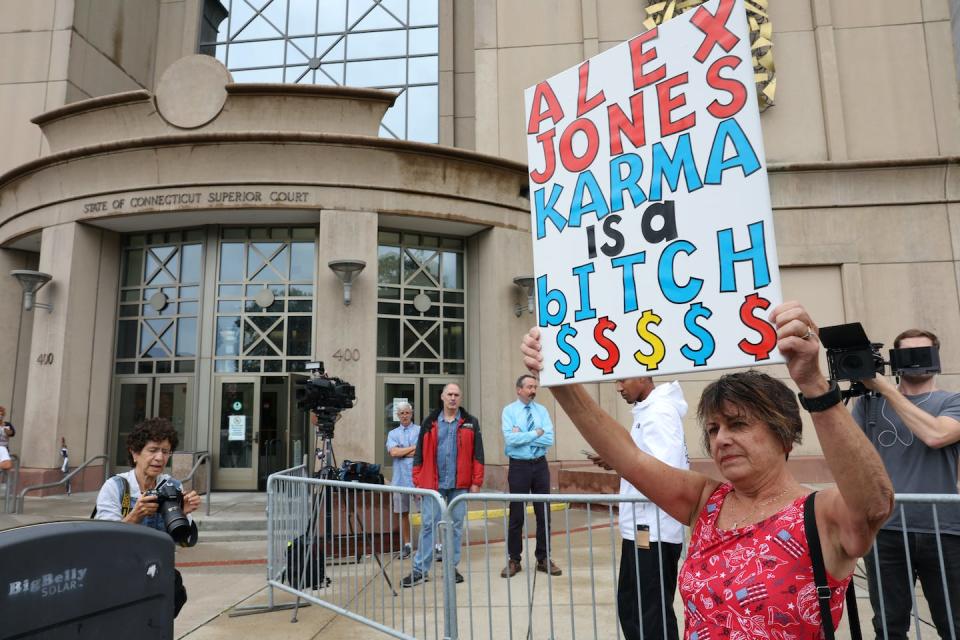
{"points": [[749, 566]]}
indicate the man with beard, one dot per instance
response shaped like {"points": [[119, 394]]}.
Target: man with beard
{"points": [[915, 427]]}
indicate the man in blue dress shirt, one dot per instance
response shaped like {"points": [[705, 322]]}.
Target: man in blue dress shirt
{"points": [[527, 432]]}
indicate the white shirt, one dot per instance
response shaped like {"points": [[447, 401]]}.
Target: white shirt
{"points": [[657, 430]]}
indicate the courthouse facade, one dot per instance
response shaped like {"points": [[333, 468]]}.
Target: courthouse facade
{"points": [[195, 175]]}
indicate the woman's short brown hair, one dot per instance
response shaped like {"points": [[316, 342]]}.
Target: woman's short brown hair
{"points": [[759, 395], [151, 429]]}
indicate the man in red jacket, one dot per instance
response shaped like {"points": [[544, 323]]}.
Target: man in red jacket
{"points": [[449, 460]]}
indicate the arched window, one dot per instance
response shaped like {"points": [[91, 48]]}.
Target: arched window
{"points": [[382, 44]]}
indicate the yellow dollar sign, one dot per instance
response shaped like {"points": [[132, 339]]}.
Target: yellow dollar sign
{"points": [[653, 360]]}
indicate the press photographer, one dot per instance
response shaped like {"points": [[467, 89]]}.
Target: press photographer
{"points": [[915, 428], [147, 496]]}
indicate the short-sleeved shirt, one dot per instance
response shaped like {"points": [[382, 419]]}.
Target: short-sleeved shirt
{"points": [[111, 494], [912, 465], [4, 438], [403, 437], [447, 451]]}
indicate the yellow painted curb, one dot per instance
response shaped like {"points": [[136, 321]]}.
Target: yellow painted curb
{"points": [[490, 514]]}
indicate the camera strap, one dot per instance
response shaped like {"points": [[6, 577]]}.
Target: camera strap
{"points": [[125, 498]]}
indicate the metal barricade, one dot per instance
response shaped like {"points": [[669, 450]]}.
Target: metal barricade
{"points": [[925, 555], [336, 545], [11, 479]]}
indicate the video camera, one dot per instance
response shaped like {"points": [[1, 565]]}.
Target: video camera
{"points": [[851, 356], [325, 396]]}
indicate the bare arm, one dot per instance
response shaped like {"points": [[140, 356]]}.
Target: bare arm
{"points": [[402, 452], [677, 491], [849, 514], [935, 431]]}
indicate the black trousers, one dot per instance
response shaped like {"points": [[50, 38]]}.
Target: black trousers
{"points": [[526, 476], [896, 582], [634, 597], [179, 593]]}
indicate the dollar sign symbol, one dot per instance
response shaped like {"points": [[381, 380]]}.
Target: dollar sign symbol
{"points": [[699, 356], [652, 360], [568, 369], [768, 335], [607, 364]]}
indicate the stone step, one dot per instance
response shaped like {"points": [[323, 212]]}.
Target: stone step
{"points": [[207, 537], [211, 524]]}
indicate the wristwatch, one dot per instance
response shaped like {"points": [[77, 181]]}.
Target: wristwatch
{"points": [[824, 402]]}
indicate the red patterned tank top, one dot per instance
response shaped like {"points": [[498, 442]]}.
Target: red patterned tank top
{"points": [[752, 582]]}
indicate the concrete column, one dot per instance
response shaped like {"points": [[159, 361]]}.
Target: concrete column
{"points": [[14, 339], [349, 235], [829, 80], [71, 352]]}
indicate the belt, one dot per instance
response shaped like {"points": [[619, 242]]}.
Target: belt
{"points": [[533, 461]]}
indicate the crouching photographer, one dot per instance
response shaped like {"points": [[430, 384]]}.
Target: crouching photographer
{"points": [[146, 495]]}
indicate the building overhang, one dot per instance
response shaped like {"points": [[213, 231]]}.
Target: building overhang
{"points": [[265, 154]]}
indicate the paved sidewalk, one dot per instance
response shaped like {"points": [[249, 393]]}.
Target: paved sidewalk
{"points": [[222, 574]]}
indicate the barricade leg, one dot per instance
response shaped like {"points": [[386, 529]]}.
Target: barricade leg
{"points": [[944, 608]]}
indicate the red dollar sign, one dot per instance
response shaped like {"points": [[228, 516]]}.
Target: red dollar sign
{"points": [[607, 364], [768, 336]]}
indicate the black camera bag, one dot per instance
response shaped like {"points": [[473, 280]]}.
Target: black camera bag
{"points": [[305, 563], [366, 472]]}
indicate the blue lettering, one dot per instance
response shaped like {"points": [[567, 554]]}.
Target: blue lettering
{"points": [[629, 287], [547, 211], [672, 291], [598, 204], [756, 254], [666, 167], [745, 156], [586, 310], [629, 182]]}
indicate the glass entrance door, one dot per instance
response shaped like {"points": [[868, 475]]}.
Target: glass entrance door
{"points": [[238, 417], [422, 392], [392, 392], [138, 398], [261, 430]]}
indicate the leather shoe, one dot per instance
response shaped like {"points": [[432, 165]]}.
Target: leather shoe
{"points": [[512, 569], [553, 569]]}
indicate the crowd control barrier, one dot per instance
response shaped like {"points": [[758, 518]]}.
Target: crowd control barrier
{"points": [[338, 545]]}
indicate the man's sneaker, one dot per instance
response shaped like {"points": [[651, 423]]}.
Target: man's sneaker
{"points": [[512, 569], [406, 551], [438, 553], [413, 579], [458, 577], [553, 569]]}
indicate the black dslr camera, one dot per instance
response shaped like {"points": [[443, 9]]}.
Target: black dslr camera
{"points": [[851, 356], [326, 397], [170, 506]]}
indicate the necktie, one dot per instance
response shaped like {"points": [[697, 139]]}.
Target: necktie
{"points": [[530, 425]]}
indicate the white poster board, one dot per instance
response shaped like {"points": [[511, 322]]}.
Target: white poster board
{"points": [[652, 231], [236, 428]]}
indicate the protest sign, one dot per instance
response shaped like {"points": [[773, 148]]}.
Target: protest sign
{"points": [[652, 231]]}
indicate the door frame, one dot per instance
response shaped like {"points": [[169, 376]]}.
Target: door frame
{"points": [[243, 478], [380, 432]]}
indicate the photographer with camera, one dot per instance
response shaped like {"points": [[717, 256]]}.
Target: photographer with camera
{"points": [[915, 428], [147, 496]]}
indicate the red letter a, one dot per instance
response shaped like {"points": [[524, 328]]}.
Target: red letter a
{"points": [[542, 93]]}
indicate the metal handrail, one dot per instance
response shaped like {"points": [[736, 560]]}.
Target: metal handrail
{"points": [[201, 457], [64, 480], [11, 486]]}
